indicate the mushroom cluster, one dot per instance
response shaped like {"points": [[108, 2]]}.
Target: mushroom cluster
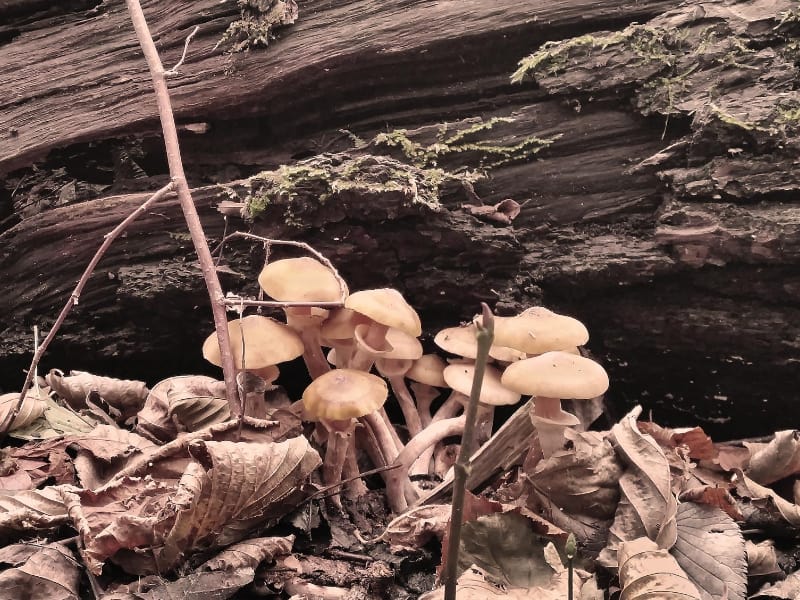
{"points": [[374, 348]]}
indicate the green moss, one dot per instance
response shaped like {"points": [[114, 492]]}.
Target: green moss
{"points": [[650, 44], [337, 177], [492, 154], [257, 22]]}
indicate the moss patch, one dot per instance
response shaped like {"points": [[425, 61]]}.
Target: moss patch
{"points": [[490, 153], [257, 22], [649, 44], [339, 178]]}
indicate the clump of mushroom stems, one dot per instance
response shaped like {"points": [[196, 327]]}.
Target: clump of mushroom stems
{"points": [[398, 487]]}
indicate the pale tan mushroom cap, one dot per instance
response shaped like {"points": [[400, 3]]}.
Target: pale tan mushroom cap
{"points": [[388, 307], [428, 369], [463, 342], [341, 324], [458, 340], [302, 279], [538, 330], [459, 377], [404, 346], [557, 375], [266, 342], [344, 394]]}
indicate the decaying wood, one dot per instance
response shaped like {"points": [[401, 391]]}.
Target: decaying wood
{"points": [[662, 209]]}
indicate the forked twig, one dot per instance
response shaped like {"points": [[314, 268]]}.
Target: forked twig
{"points": [[235, 301], [108, 239]]}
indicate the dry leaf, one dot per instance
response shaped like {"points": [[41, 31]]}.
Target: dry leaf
{"points": [[698, 444], [230, 489], [185, 403], [788, 589], [31, 512], [647, 506], [195, 586], [713, 495], [773, 461], [56, 421], [577, 491], [125, 395], [766, 500], [32, 408], [415, 528], [647, 571], [711, 551], [39, 572], [104, 451], [762, 560], [249, 553]]}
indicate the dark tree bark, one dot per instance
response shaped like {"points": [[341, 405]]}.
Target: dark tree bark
{"points": [[655, 165]]}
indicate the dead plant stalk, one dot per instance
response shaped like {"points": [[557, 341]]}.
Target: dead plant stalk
{"points": [[193, 223], [108, 239]]}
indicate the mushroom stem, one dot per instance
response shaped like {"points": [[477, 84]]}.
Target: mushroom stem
{"points": [[451, 406], [425, 394], [397, 478], [339, 436], [549, 408], [406, 401], [374, 338], [312, 353], [355, 488], [444, 458], [383, 436], [298, 587], [449, 409]]}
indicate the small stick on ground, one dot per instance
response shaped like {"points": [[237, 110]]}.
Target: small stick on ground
{"points": [[108, 239]]}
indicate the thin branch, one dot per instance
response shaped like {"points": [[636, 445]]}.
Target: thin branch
{"points": [[108, 239], [174, 70], [187, 204], [485, 335], [273, 242], [232, 300]]}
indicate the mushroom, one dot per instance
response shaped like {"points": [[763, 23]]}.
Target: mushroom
{"points": [[338, 332], [537, 330], [462, 341], [550, 377], [336, 399], [426, 375], [493, 393], [257, 344], [304, 279], [384, 308], [393, 365]]}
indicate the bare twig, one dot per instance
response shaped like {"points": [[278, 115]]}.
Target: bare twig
{"points": [[108, 239], [232, 300], [174, 70], [187, 204], [485, 335], [268, 242]]}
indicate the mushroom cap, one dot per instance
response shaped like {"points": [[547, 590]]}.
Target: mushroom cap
{"points": [[463, 342], [302, 279], [404, 346], [538, 330], [266, 341], [341, 324], [269, 373], [458, 340], [557, 375], [344, 394], [387, 307], [428, 369], [459, 377]]}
